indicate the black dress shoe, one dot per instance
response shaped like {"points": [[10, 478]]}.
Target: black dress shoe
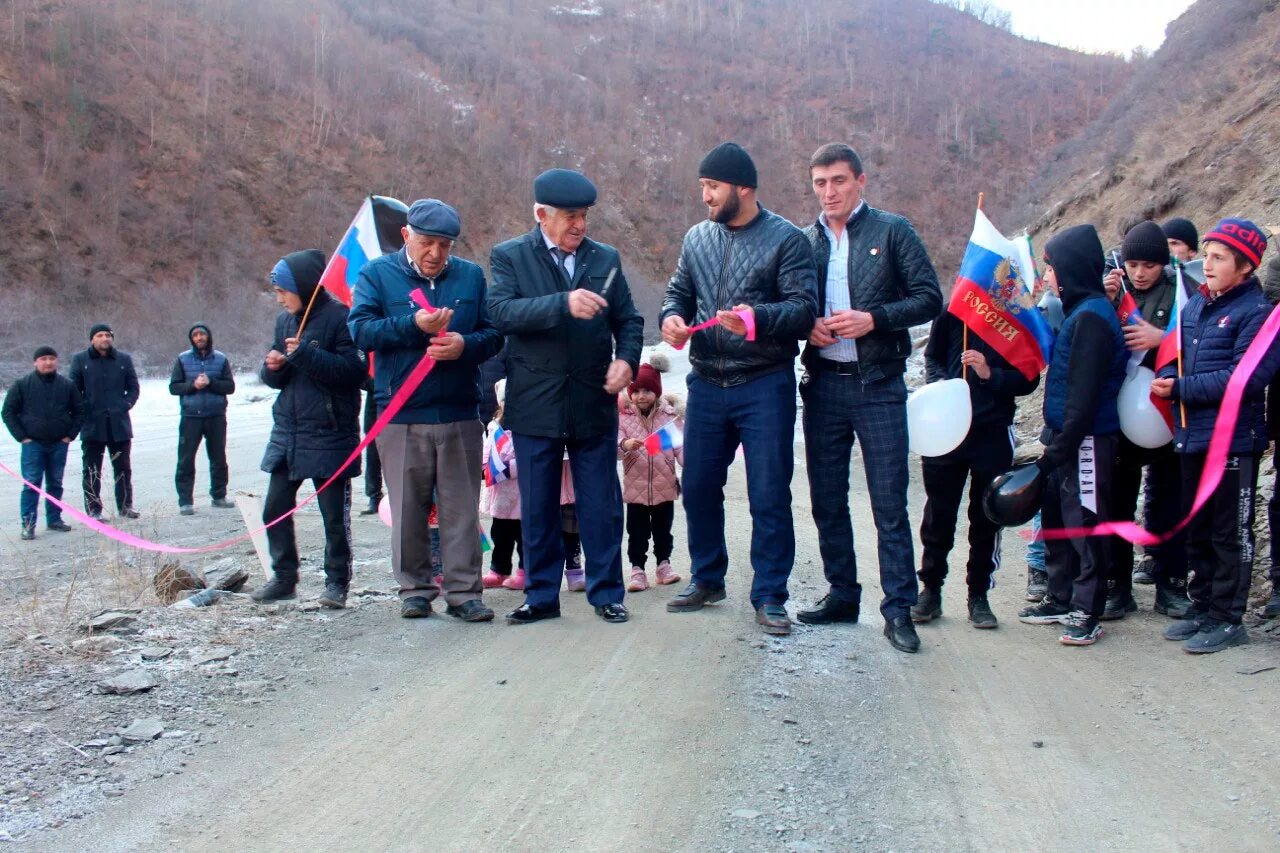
{"points": [[612, 612], [415, 607], [372, 508], [773, 619], [130, 512], [694, 597], [470, 611], [829, 610], [902, 634], [527, 614], [60, 526]]}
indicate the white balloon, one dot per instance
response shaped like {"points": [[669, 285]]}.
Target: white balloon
{"points": [[938, 417], [1140, 420]]}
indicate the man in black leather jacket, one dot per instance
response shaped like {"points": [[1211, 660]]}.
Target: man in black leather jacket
{"points": [[742, 389], [875, 281]]}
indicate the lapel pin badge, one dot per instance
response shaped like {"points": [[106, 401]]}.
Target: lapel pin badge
{"points": [[875, 252]]}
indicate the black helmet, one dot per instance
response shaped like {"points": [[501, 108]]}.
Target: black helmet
{"points": [[1013, 498]]}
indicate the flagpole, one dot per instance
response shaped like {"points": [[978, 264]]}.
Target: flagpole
{"points": [[307, 313], [1177, 266], [964, 343]]}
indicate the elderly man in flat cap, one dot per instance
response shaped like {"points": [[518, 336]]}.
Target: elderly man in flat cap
{"points": [[433, 444], [573, 342]]}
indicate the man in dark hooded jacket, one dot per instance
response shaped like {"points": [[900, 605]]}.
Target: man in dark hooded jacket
{"points": [[318, 372], [202, 378], [1082, 425]]}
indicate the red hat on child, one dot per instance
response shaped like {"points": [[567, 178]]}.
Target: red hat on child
{"points": [[648, 379]]}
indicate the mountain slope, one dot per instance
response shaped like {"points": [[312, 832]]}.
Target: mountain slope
{"points": [[161, 154], [1193, 133]]}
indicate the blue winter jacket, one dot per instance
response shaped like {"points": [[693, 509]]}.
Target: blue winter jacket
{"points": [[1216, 331], [211, 400], [381, 322]]}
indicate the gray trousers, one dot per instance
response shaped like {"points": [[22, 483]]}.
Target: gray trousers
{"points": [[417, 461]]}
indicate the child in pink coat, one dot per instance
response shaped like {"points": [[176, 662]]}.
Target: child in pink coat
{"points": [[501, 501], [649, 483]]}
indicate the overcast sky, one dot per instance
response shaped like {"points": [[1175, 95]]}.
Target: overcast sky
{"points": [[1095, 25]]}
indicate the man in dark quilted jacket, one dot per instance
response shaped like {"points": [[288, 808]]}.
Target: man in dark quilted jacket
{"points": [[742, 261], [875, 281]]}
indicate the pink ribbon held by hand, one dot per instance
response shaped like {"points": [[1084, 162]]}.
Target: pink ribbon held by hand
{"points": [[1215, 462], [748, 319]]}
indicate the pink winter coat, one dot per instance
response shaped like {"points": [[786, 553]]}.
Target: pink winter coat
{"points": [[649, 480], [502, 499]]}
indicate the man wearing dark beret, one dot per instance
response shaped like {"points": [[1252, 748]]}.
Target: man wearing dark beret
{"points": [[742, 390], [107, 380], [43, 412], [433, 445], [573, 342]]}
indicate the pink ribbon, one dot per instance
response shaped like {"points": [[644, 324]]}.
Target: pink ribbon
{"points": [[748, 317], [419, 373], [1215, 459]]}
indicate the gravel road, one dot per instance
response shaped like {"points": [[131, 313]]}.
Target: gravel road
{"points": [[692, 731]]}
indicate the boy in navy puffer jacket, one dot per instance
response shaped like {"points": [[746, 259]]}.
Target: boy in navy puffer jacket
{"points": [[1218, 325]]}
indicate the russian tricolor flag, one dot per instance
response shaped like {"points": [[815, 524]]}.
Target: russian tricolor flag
{"points": [[992, 296], [374, 232], [495, 470], [665, 437], [1170, 350]]}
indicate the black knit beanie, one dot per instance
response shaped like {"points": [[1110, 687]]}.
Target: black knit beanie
{"points": [[100, 327], [1182, 229], [41, 352], [1145, 242], [730, 163]]}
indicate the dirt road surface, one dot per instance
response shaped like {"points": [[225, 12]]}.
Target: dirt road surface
{"points": [[696, 732]]}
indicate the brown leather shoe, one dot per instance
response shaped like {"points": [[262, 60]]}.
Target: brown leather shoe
{"points": [[773, 619], [694, 597]]}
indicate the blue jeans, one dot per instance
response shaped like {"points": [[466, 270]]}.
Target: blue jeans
{"points": [[594, 465], [1035, 548], [760, 415], [837, 410], [42, 465]]}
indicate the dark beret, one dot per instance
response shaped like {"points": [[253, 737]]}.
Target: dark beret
{"points": [[434, 218], [564, 188]]}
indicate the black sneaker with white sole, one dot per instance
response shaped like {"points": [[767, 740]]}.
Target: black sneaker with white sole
{"points": [[1047, 612], [1080, 629]]}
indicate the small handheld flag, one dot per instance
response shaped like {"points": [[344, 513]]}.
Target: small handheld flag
{"points": [[665, 437]]}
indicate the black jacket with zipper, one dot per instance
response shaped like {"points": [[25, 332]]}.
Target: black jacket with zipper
{"points": [[43, 408], [890, 277], [316, 417], [766, 264]]}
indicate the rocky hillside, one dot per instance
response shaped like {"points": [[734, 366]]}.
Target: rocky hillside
{"points": [[161, 154], [1193, 133]]}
